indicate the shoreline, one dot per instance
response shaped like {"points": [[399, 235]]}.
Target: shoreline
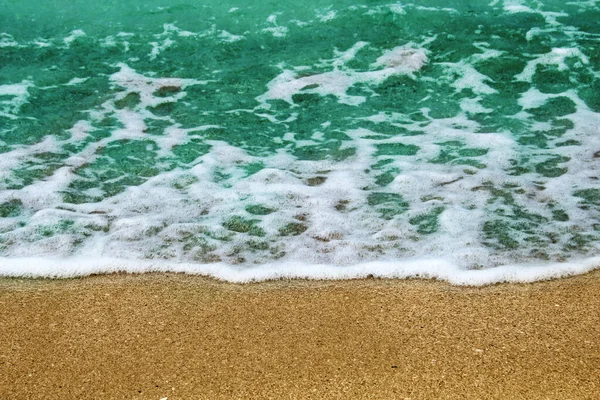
{"points": [[434, 269], [152, 336]]}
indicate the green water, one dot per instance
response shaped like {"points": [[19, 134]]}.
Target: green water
{"points": [[249, 134]]}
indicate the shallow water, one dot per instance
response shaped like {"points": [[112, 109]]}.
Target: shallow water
{"points": [[432, 138]]}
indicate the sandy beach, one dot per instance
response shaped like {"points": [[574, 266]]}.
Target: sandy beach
{"points": [[183, 337]]}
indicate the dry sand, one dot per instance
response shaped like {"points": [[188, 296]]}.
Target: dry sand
{"points": [[182, 337]]}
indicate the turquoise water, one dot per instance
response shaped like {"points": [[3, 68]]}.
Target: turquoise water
{"points": [[300, 139]]}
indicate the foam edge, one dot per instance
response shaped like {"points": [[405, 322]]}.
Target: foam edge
{"points": [[37, 267]]}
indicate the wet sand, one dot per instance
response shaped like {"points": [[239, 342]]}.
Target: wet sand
{"points": [[181, 337]]}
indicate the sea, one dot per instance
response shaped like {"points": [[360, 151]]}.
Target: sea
{"points": [[254, 140]]}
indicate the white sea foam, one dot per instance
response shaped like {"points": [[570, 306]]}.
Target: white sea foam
{"points": [[167, 38], [230, 37], [77, 33], [516, 6], [76, 81], [555, 57], [19, 93], [330, 236], [275, 29], [326, 15], [397, 9], [405, 59], [445, 9], [36, 267], [41, 42], [159, 47], [7, 40]]}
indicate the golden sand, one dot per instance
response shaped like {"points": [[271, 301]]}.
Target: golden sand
{"points": [[183, 337]]}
